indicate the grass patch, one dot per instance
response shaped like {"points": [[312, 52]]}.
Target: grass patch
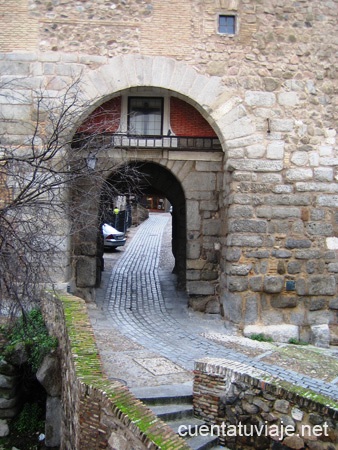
{"points": [[295, 341], [260, 337]]}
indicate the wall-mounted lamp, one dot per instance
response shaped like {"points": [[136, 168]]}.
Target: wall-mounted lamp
{"points": [[91, 161]]}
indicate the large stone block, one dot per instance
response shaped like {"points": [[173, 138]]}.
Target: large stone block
{"points": [[256, 165], [328, 200], [299, 174], [258, 98], [273, 284], [49, 375], [237, 240], [203, 182], [85, 271], [279, 333], [284, 301], [237, 284], [193, 249], [200, 288], [320, 335], [247, 226], [251, 309], [53, 421], [212, 227], [4, 428], [275, 150], [232, 307], [193, 215], [319, 229], [322, 285]]}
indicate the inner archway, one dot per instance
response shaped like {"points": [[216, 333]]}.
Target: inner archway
{"points": [[154, 177]]}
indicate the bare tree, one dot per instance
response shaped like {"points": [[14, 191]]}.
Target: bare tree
{"points": [[47, 183]]}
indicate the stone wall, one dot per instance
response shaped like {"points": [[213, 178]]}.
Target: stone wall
{"points": [[97, 413], [237, 398]]}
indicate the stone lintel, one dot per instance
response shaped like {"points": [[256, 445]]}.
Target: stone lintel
{"points": [[195, 156]]}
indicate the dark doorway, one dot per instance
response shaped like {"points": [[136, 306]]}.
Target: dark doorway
{"points": [[157, 179]]}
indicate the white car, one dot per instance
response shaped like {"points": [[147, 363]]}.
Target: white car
{"points": [[111, 237]]}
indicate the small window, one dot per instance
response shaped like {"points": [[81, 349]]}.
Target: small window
{"points": [[145, 116], [226, 24]]}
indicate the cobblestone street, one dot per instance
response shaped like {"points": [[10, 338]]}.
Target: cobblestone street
{"points": [[147, 336]]}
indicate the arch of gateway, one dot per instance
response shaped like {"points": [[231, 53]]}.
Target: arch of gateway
{"points": [[244, 142]]}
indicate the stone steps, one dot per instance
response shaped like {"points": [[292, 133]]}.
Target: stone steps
{"points": [[173, 404]]}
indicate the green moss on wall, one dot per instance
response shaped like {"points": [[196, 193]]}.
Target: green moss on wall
{"points": [[89, 370]]}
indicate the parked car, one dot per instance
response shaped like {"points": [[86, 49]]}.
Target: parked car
{"points": [[111, 237]]}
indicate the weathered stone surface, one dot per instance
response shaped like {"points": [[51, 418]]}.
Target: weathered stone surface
{"points": [[297, 243], [256, 283], [321, 229], [8, 382], [18, 355], [315, 304], [262, 404], [284, 301], [250, 408], [200, 288], [333, 303], [213, 306], [321, 285], [86, 271], [49, 375], [294, 442], [6, 368], [248, 226], [258, 98], [4, 428], [279, 333], [232, 307], [273, 285], [297, 414], [117, 441], [282, 406], [238, 284], [320, 335], [53, 422], [240, 269]]}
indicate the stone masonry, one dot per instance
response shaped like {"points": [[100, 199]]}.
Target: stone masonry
{"points": [[260, 216], [97, 413], [251, 409]]}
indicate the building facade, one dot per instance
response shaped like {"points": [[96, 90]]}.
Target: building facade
{"points": [[230, 106]]}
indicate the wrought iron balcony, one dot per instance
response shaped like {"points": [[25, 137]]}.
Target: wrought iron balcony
{"points": [[119, 140]]}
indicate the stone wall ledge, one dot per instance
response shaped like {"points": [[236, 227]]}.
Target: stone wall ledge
{"points": [[97, 413], [232, 371]]}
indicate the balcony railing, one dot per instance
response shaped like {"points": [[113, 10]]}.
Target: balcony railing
{"points": [[151, 142]]}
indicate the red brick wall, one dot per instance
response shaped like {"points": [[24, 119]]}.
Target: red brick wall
{"points": [[185, 120], [105, 118]]}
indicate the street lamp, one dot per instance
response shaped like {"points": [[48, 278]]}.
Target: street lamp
{"points": [[91, 161]]}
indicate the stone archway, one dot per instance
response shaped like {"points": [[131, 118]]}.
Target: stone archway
{"points": [[203, 177]]}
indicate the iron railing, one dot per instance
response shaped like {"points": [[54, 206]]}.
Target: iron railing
{"points": [[151, 142]]}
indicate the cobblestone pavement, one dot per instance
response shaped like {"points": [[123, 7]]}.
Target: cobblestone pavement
{"points": [[147, 335]]}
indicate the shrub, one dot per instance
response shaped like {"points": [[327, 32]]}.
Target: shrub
{"points": [[260, 337], [30, 330]]}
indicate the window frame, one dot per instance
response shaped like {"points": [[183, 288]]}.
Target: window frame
{"points": [[144, 97], [227, 15]]}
